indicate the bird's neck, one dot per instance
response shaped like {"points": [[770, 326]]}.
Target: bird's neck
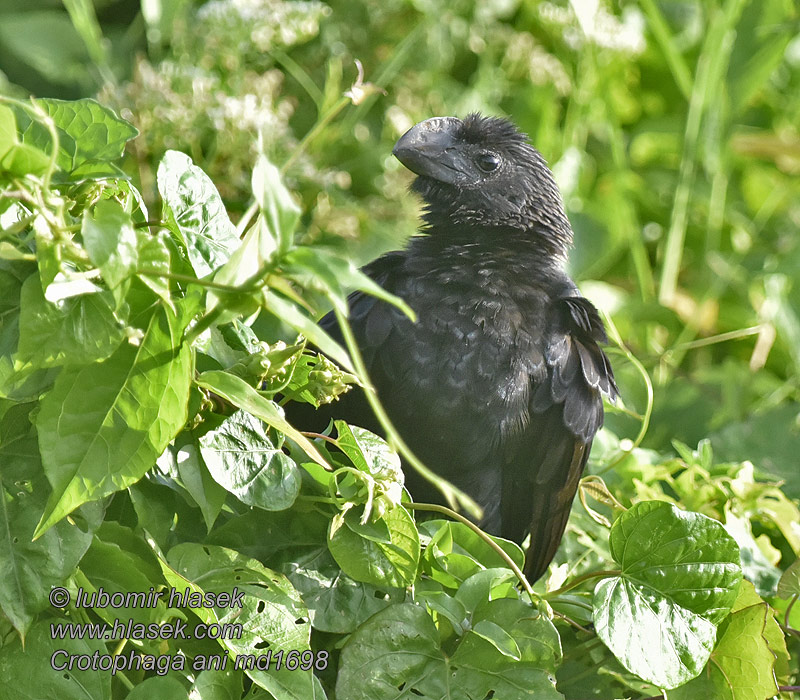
{"points": [[536, 249]]}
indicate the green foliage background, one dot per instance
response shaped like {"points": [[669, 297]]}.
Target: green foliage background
{"points": [[673, 131]]}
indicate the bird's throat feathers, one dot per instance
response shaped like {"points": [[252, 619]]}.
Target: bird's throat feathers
{"points": [[539, 228]]}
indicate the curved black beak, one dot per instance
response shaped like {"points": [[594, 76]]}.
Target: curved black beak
{"points": [[431, 148]]}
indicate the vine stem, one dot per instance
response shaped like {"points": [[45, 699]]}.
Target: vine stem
{"points": [[648, 383], [454, 496]]}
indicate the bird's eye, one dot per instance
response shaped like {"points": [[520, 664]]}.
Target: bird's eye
{"points": [[488, 162]]}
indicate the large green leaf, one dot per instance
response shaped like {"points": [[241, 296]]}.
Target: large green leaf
{"points": [[396, 655], [199, 215], [103, 426], [243, 459], [679, 578], [90, 137], [336, 602]]}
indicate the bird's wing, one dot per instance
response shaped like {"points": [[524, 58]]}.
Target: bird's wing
{"points": [[566, 410], [368, 313]]}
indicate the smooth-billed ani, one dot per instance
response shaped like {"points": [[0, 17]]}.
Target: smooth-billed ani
{"points": [[497, 386]]}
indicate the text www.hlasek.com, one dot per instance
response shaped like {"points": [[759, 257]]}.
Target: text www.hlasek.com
{"points": [[140, 631]]}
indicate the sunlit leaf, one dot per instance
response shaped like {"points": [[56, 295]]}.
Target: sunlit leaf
{"points": [[679, 578]]}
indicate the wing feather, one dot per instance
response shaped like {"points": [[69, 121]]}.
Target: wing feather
{"points": [[567, 408]]}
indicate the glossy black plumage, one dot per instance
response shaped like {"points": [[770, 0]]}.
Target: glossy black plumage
{"points": [[498, 385]]}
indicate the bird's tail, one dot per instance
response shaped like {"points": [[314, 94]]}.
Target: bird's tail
{"points": [[551, 509]]}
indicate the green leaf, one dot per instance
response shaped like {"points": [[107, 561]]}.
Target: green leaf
{"points": [[496, 636], [91, 137], [195, 206], [110, 241], [103, 426], [115, 569], [755, 565], [396, 654], [279, 210], [161, 687], [241, 394], [372, 454], [290, 314], [336, 276], [381, 563], [773, 634], [243, 459], [154, 257], [515, 630], [197, 480], [680, 576], [789, 584], [78, 330], [488, 584], [251, 257], [336, 602], [445, 606], [216, 685]]}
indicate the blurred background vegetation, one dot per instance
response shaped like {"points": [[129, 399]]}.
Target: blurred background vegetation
{"points": [[673, 128]]}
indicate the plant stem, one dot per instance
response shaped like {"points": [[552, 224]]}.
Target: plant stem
{"points": [[615, 336], [454, 496]]}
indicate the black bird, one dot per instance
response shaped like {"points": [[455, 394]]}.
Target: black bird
{"points": [[497, 386]]}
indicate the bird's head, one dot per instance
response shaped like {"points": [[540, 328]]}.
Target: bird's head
{"points": [[481, 172]]}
